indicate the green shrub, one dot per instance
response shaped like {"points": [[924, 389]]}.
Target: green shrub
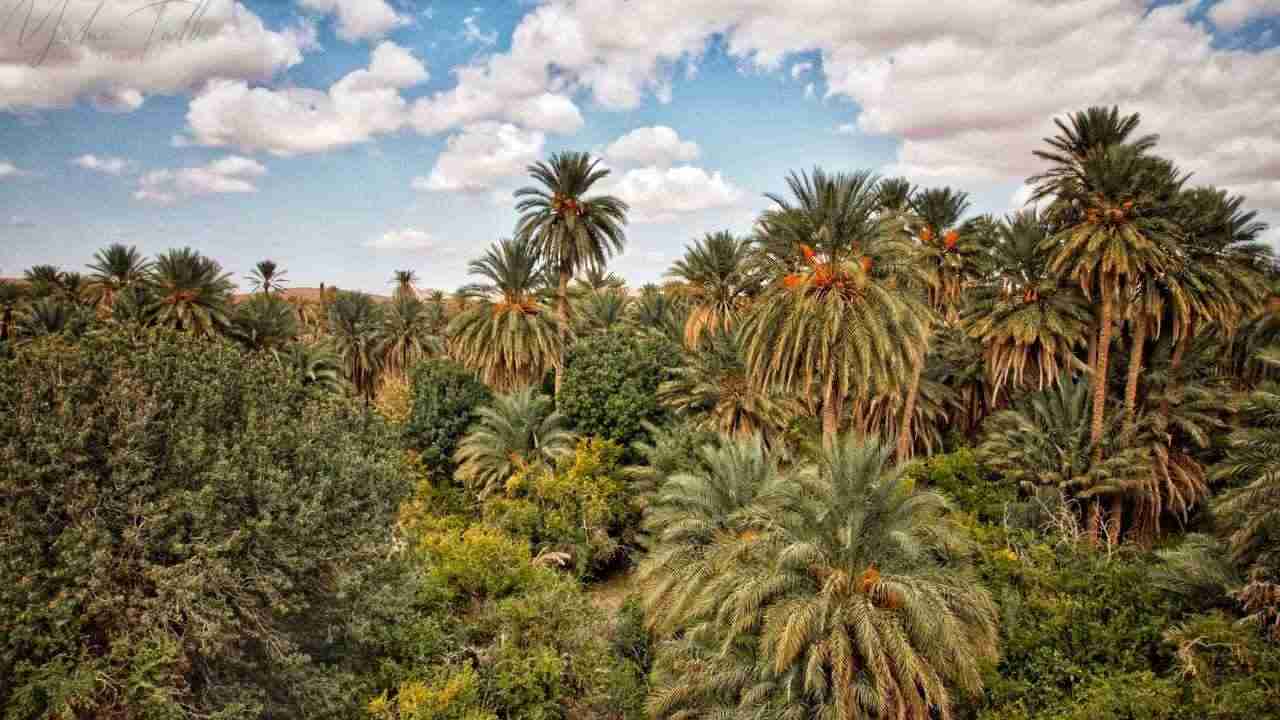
{"points": [[476, 560], [961, 478], [188, 532], [446, 397], [610, 385]]}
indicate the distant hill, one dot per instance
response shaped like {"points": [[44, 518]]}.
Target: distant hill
{"points": [[305, 294]]}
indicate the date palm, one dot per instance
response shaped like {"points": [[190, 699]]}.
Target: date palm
{"points": [[191, 293], [51, 316], [506, 333], [596, 279], [315, 365], [570, 229], [949, 251], [712, 389], [407, 334], [842, 324], [1026, 318], [840, 577], [406, 282], [517, 432], [267, 277], [601, 311], [718, 281], [43, 280], [115, 268], [355, 324], [1083, 133], [264, 322]]}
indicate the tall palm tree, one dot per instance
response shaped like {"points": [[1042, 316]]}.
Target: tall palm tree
{"points": [[267, 277], [1115, 237], [949, 251], [718, 280], [406, 335], [406, 282], [506, 333], [1083, 133], [841, 578], [191, 293], [1023, 314], [355, 324], [841, 324], [516, 432], [115, 268], [570, 229], [596, 279], [264, 322], [711, 387]]}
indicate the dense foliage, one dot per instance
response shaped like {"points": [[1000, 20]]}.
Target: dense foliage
{"points": [[446, 399], [611, 384]]}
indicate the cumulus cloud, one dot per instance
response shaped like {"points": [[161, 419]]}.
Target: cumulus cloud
{"points": [[1231, 14], [230, 174], [799, 69], [660, 195], [969, 89], [846, 129], [658, 145], [105, 164], [403, 239], [482, 154], [8, 169], [113, 55], [292, 121], [359, 19]]}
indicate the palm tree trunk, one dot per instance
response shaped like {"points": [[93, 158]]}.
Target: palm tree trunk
{"points": [[908, 413], [1135, 370], [1093, 339], [562, 313], [830, 416], [1175, 362], [1100, 376]]}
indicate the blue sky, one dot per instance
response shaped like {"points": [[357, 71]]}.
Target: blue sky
{"points": [[350, 138]]}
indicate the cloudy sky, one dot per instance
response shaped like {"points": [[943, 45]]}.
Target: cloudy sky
{"points": [[350, 138]]}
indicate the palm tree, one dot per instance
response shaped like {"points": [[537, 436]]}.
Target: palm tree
{"points": [[264, 322], [51, 316], [1115, 238], [1252, 508], [601, 311], [711, 387], [570, 230], [717, 280], [115, 268], [518, 431], [406, 335], [355, 324], [841, 578], [949, 251], [43, 280], [192, 294], [1025, 316], [596, 279], [406, 282], [506, 333], [315, 365], [1084, 133], [661, 312], [841, 324], [267, 277]]}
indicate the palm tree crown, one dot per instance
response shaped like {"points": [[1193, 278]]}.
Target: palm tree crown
{"points": [[267, 277], [516, 432], [192, 293], [718, 280], [115, 268]]}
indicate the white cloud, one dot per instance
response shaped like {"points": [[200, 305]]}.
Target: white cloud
{"points": [[473, 34], [105, 164], [658, 145], [8, 169], [292, 121], [359, 19], [810, 91], [113, 55], [800, 69], [403, 239], [659, 195], [230, 174], [1231, 14], [482, 154], [847, 129]]}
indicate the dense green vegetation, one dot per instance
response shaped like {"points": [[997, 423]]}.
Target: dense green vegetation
{"points": [[882, 458]]}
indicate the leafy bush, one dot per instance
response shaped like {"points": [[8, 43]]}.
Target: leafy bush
{"points": [[961, 478], [610, 384], [188, 532], [476, 560], [583, 506], [446, 398]]}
